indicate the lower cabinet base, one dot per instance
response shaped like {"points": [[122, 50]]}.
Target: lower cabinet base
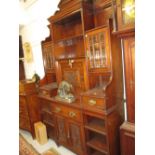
{"points": [[127, 135]]}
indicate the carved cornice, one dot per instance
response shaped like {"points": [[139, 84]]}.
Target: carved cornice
{"points": [[63, 3], [125, 33]]}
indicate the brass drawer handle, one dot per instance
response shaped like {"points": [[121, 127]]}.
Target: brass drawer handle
{"points": [[92, 102], [44, 92], [72, 114], [57, 109]]}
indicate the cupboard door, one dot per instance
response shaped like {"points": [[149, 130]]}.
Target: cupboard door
{"points": [[98, 49], [129, 54], [76, 137], [62, 132]]}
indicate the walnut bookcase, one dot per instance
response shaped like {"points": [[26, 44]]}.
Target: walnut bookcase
{"points": [[88, 56]]}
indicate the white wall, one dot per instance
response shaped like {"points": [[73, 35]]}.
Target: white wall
{"points": [[33, 29]]}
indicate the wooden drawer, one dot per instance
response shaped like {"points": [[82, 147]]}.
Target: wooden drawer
{"points": [[24, 123], [93, 103], [49, 90], [68, 112]]}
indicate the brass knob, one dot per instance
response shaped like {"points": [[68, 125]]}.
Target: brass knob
{"points": [[92, 102], [44, 92], [57, 109], [72, 114]]}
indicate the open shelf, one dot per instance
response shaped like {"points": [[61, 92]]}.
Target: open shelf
{"points": [[95, 126], [46, 111], [49, 123], [98, 153], [69, 18], [50, 130], [47, 117], [74, 37], [98, 145], [97, 142], [68, 27], [70, 47], [95, 152]]}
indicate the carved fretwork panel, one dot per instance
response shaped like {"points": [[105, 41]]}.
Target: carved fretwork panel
{"points": [[64, 3], [73, 77], [61, 130], [76, 137], [74, 72]]}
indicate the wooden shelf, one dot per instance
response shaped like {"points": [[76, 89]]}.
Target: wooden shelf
{"points": [[98, 144], [49, 123], [69, 18], [98, 153], [69, 38], [96, 126], [46, 111]]}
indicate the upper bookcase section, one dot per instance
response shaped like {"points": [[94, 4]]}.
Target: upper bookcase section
{"points": [[76, 15], [68, 27]]}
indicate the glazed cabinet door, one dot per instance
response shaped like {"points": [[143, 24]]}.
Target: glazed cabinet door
{"points": [[129, 54], [62, 132], [98, 49], [76, 135]]}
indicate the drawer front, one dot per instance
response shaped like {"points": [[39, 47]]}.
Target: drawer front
{"points": [[68, 112], [24, 123], [74, 114], [48, 93], [93, 103], [44, 93]]}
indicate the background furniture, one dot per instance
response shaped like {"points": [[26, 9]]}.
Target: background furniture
{"points": [[126, 30], [28, 106]]}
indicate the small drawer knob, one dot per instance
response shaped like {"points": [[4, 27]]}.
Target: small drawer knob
{"points": [[57, 109], [92, 102], [72, 114], [44, 92]]}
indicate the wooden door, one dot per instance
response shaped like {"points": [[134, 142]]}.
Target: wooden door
{"points": [[62, 132], [76, 137], [129, 55]]}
